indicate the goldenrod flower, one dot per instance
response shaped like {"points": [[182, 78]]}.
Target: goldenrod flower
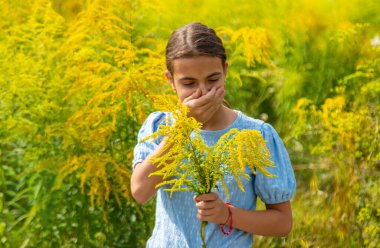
{"points": [[189, 164]]}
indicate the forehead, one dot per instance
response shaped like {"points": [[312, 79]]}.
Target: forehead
{"points": [[199, 66]]}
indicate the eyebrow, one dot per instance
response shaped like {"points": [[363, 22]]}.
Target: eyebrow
{"points": [[211, 75]]}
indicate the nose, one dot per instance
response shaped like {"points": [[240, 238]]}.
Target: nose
{"points": [[204, 89]]}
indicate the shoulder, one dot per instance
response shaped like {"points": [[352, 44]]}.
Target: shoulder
{"points": [[157, 117], [153, 122], [247, 122]]}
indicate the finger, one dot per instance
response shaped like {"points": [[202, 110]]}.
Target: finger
{"points": [[221, 92], [196, 94], [211, 94], [206, 204], [208, 217], [211, 106], [205, 99], [208, 197], [217, 96], [204, 218], [193, 96], [205, 212]]}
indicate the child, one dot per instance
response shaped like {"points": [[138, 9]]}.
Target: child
{"points": [[196, 69]]}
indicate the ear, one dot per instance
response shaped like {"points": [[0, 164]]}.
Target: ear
{"points": [[225, 70], [170, 79]]}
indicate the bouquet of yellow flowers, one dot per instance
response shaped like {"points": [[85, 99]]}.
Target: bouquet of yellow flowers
{"points": [[186, 163]]}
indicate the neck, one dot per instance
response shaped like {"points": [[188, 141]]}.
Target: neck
{"points": [[221, 119]]}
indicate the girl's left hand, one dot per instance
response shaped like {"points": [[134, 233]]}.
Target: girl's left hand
{"points": [[211, 208]]}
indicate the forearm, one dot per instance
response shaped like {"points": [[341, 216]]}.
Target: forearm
{"points": [[275, 221], [143, 187]]}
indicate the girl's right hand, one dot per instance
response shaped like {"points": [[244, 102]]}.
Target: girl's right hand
{"points": [[203, 107]]}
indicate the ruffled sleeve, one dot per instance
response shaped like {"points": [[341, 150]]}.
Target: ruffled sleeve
{"points": [[282, 187], [151, 125]]}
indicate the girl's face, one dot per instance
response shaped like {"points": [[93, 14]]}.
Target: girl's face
{"points": [[201, 72]]}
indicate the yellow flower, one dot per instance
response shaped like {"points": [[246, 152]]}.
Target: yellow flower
{"points": [[189, 164]]}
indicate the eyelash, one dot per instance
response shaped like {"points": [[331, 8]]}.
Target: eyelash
{"points": [[191, 83]]}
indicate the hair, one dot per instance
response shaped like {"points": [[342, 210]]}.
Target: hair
{"points": [[191, 40]]}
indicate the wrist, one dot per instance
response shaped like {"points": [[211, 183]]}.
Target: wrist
{"points": [[227, 214], [229, 221]]}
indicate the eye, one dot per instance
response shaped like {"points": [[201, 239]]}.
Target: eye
{"points": [[213, 80], [188, 84]]}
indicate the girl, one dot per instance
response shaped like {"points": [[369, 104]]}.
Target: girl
{"points": [[196, 69]]}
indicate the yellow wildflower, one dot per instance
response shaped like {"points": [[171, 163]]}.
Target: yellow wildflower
{"points": [[195, 166]]}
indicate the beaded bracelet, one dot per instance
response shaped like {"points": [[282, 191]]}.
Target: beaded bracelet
{"points": [[229, 219]]}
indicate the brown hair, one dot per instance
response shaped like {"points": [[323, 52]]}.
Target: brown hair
{"points": [[191, 40]]}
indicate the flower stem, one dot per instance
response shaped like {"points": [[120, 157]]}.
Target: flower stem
{"points": [[203, 233]]}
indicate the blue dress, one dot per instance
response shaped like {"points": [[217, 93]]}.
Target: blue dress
{"points": [[176, 224]]}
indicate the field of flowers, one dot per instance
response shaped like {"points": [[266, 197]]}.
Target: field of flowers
{"points": [[78, 77]]}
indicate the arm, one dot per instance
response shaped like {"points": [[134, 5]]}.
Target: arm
{"points": [[276, 220], [143, 187]]}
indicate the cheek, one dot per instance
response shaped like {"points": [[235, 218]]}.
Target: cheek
{"points": [[222, 82]]}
